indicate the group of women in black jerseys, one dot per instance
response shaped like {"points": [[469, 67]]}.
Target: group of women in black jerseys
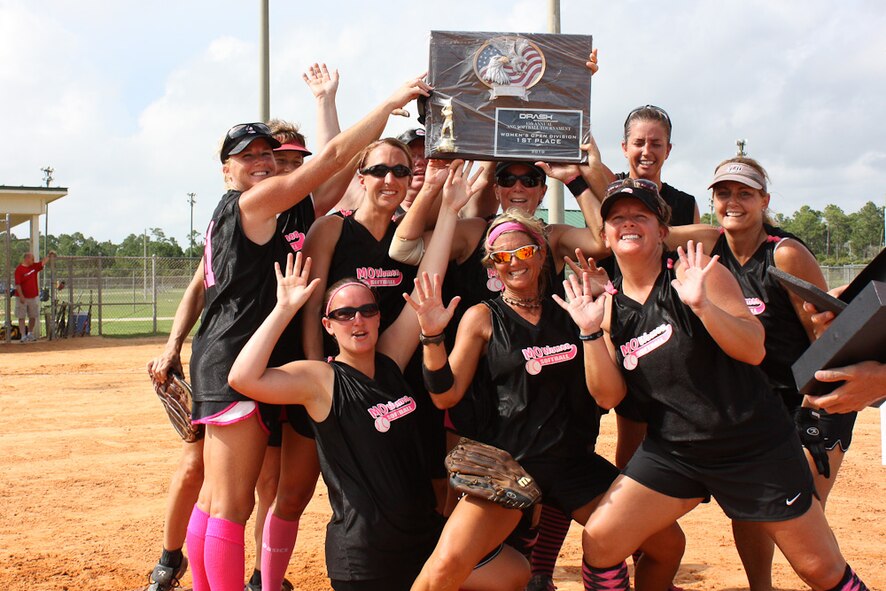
{"points": [[529, 365]]}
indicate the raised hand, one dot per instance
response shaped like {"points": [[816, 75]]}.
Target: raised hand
{"points": [[411, 90], [559, 171], [436, 172], [691, 288], [599, 278], [460, 186], [322, 84], [428, 304], [586, 310], [293, 289]]}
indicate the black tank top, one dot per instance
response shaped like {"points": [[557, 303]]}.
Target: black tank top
{"points": [[358, 254], [532, 378], [238, 297], [786, 339], [373, 465], [292, 225], [698, 401]]}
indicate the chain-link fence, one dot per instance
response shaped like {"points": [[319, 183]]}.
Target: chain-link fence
{"points": [[136, 296], [107, 296]]}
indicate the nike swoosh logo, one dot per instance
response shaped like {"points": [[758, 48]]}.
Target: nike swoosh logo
{"points": [[792, 501]]}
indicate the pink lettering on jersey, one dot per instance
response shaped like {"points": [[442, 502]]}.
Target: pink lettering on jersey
{"points": [[755, 305], [645, 343], [493, 283], [375, 277], [296, 240], [384, 413], [538, 357], [208, 274]]}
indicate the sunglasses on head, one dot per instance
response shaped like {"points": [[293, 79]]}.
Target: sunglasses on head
{"points": [[380, 171], [622, 184], [244, 129], [509, 180], [658, 110], [521, 254], [350, 312]]}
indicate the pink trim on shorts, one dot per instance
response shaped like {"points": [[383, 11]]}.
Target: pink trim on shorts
{"points": [[447, 421], [236, 412]]}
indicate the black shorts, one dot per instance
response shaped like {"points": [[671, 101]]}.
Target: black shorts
{"points": [[836, 429], [401, 581], [298, 419], [569, 484], [773, 485]]}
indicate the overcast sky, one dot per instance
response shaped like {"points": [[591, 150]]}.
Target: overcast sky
{"points": [[128, 102]]}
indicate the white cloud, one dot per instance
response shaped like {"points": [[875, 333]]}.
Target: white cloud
{"points": [[128, 102]]}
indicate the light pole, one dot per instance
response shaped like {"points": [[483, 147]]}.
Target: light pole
{"points": [[191, 202]]}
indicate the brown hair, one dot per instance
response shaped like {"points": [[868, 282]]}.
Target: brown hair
{"points": [[648, 113], [390, 141]]}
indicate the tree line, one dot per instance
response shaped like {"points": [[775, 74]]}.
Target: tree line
{"points": [[835, 237]]}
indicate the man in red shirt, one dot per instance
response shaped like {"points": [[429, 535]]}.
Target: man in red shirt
{"points": [[27, 304]]}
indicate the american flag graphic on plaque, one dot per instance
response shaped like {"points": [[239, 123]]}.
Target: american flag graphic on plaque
{"points": [[509, 61]]}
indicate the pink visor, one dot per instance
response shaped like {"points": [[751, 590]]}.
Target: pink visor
{"points": [[293, 147]]}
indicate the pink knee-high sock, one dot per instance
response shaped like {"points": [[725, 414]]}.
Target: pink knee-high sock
{"points": [[553, 525], [224, 554], [196, 539], [850, 582], [610, 578], [277, 542]]}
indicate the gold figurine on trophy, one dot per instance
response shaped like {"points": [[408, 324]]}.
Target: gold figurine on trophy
{"points": [[446, 143]]}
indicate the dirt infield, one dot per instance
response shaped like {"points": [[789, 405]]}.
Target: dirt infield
{"points": [[87, 454]]}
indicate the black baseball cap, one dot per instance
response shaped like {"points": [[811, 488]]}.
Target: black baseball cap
{"points": [[407, 137], [644, 190], [240, 136]]}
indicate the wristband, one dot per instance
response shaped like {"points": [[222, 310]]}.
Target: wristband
{"points": [[577, 186], [431, 340], [591, 337], [438, 381]]}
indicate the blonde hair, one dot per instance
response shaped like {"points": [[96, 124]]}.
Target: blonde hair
{"points": [[767, 218], [286, 132]]}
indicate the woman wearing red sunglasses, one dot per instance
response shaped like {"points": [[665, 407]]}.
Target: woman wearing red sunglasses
{"points": [[521, 356], [239, 252], [366, 420]]}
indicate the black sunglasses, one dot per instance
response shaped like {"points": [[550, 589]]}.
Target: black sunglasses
{"points": [[380, 171], [350, 312], [244, 129], [509, 180]]}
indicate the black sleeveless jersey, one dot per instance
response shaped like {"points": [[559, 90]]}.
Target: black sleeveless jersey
{"points": [[358, 254], [532, 381], [238, 297], [373, 465], [292, 225], [786, 338], [698, 401]]}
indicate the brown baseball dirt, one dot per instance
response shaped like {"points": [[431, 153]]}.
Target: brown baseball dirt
{"points": [[87, 454]]}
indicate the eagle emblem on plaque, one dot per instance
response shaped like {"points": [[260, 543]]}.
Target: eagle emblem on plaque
{"points": [[509, 66]]}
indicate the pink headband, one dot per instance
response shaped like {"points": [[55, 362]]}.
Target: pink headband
{"points": [[341, 287], [511, 227]]}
